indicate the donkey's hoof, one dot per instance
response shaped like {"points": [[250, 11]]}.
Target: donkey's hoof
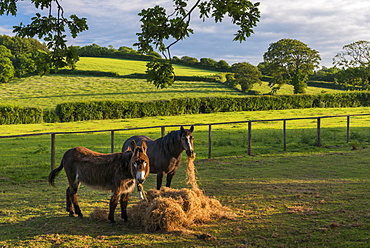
{"points": [[71, 215], [80, 217]]}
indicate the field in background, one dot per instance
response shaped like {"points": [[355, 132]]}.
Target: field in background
{"points": [[48, 91], [126, 67]]}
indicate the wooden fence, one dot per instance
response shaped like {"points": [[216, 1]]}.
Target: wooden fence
{"points": [[210, 125]]}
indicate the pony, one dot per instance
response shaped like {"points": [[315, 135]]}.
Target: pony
{"points": [[118, 172], [165, 153]]}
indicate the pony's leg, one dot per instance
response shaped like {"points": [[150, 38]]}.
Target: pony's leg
{"points": [[176, 163], [72, 199], [124, 203], [169, 178], [160, 176], [112, 206]]}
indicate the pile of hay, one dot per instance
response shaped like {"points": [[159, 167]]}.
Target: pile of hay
{"points": [[99, 215], [175, 209]]}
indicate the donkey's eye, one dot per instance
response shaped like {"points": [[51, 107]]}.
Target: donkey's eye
{"points": [[135, 164]]}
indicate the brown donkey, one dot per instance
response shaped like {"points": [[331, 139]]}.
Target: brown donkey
{"points": [[117, 172]]}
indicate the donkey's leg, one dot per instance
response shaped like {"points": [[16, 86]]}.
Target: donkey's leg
{"points": [[160, 176], [69, 203], [72, 199], [124, 203], [112, 206]]}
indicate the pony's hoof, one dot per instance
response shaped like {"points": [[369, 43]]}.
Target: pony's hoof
{"points": [[71, 215], [80, 217]]}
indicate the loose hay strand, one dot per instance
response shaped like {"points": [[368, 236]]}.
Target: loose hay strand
{"points": [[170, 209], [190, 173]]}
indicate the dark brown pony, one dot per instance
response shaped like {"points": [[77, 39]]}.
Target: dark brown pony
{"points": [[165, 153], [117, 172]]}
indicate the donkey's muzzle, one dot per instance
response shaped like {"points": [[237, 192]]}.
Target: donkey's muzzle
{"points": [[140, 177]]}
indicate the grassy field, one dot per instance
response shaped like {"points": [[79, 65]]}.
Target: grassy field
{"points": [[47, 91], [301, 200], [227, 139], [127, 67], [307, 196]]}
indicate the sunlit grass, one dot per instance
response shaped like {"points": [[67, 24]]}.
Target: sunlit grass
{"points": [[48, 91], [127, 67]]}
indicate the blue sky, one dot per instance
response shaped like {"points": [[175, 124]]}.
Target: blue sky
{"points": [[325, 26]]}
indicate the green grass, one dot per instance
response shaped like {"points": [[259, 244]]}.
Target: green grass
{"points": [[299, 200], [48, 91], [127, 67], [306, 197], [227, 139]]}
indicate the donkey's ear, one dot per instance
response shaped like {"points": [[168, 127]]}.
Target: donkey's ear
{"points": [[133, 145], [192, 128], [144, 146]]}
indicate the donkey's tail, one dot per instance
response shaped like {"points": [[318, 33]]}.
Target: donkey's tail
{"points": [[54, 173]]}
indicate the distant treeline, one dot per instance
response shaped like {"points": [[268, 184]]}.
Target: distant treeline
{"points": [[18, 57], [124, 52]]}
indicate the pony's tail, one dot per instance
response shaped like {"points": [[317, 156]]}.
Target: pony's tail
{"points": [[54, 173]]}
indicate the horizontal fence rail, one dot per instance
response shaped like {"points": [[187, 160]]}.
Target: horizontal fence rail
{"points": [[210, 125]]}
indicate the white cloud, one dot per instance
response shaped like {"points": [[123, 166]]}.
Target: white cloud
{"points": [[323, 25]]}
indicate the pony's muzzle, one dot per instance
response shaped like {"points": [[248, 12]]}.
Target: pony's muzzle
{"points": [[140, 177], [189, 153]]}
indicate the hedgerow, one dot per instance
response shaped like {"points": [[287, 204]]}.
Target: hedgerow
{"points": [[100, 110]]}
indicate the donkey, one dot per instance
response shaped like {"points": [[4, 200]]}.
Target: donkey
{"points": [[117, 172], [165, 153]]}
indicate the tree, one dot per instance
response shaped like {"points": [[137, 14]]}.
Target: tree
{"points": [[157, 27], [355, 62], [356, 54], [290, 61], [51, 28], [246, 75], [24, 51], [6, 65]]}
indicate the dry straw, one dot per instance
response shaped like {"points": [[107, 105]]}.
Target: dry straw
{"points": [[170, 209]]}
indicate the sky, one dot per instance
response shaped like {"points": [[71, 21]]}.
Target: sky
{"points": [[325, 26]]}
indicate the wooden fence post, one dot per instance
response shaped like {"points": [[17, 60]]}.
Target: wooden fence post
{"points": [[249, 138], [52, 151], [112, 141], [348, 134], [209, 141], [318, 132], [163, 131], [284, 134]]}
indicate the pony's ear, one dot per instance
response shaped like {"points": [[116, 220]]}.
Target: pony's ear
{"points": [[192, 128], [133, 145], [144, 146], [182, 129]]}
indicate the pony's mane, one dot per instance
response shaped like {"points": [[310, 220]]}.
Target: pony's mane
{"points": [[168, 141]]}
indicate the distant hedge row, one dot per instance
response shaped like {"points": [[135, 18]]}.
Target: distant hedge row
{"points": [[19, 115], [99, 110]]}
